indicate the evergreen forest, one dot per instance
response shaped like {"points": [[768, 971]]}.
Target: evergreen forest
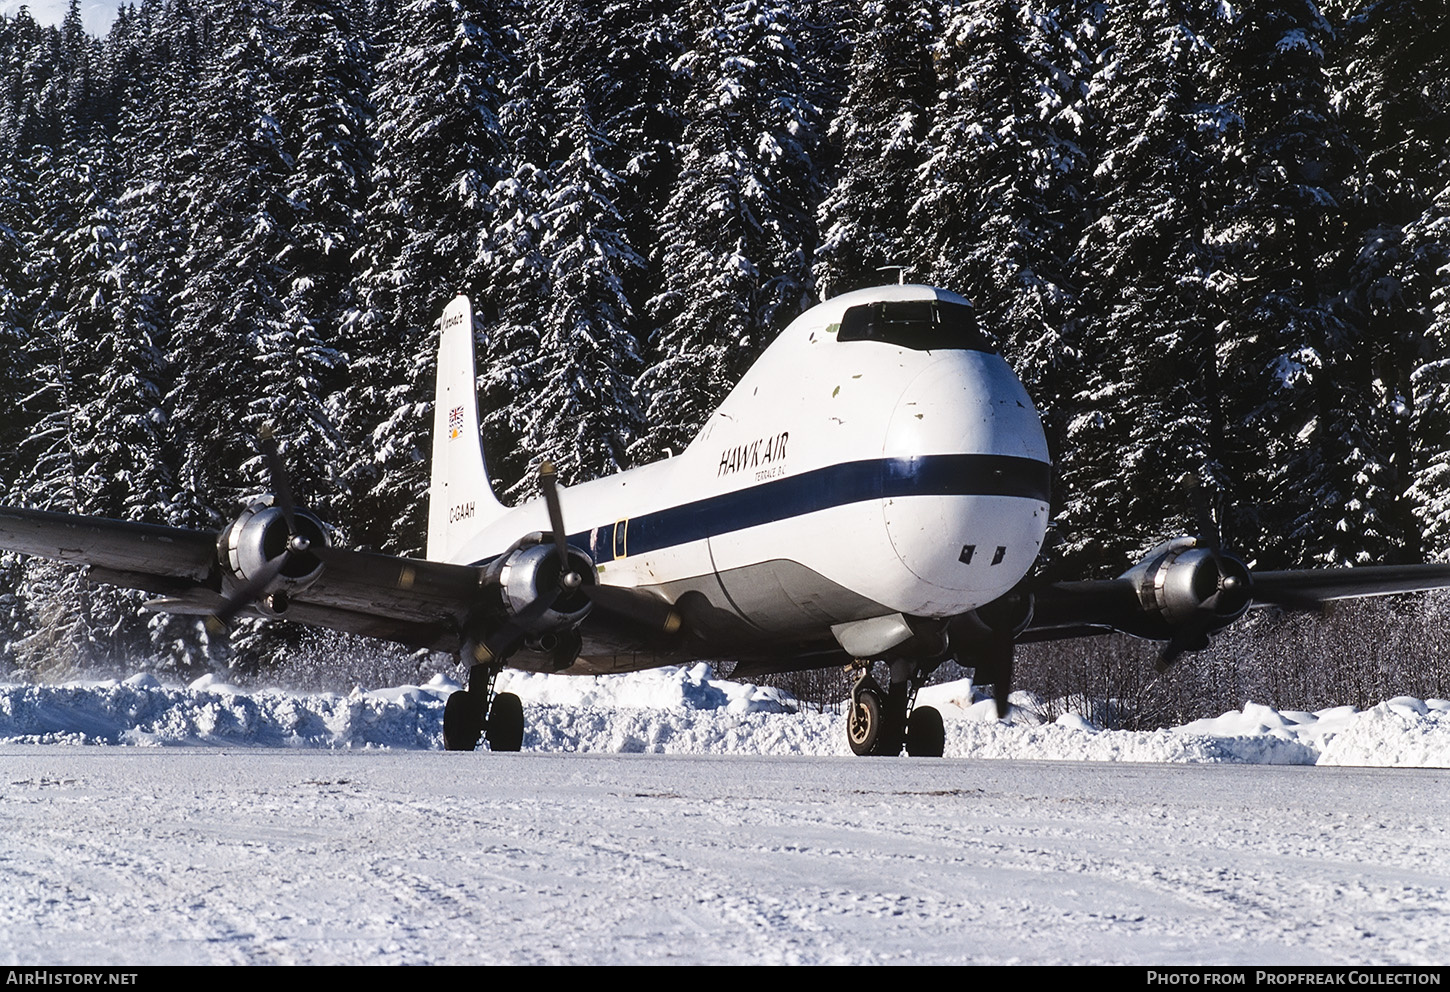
{"points": [[1213, 239]]}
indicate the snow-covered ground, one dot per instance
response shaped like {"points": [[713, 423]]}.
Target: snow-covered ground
{"points": [[267, 827], [689, 711]]}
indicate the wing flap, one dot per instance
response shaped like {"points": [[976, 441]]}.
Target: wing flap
{"points": [[438, 635]]}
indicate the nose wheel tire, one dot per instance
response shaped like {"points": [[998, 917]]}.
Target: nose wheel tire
{"points": [[926, 737], [505, 723], [866, 724]]}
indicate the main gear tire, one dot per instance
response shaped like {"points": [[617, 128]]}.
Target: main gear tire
{"points": [[506, 723], [926, 736], [462, 722]]}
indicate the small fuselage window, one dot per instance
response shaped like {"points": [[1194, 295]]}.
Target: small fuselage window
{"points": [[921, 325]]}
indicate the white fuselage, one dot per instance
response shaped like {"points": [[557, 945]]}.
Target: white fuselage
{"points": [[839, 481]]}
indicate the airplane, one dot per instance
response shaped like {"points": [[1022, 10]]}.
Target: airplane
{"points": [[874, 492]]}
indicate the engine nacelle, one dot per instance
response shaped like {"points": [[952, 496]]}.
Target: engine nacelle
{"points": [[529, 577], [1007, 614], [259, 536], [1180, 581]]}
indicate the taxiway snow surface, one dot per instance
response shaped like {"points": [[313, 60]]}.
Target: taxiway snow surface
{"points": [[205, 825], [131, 855]]}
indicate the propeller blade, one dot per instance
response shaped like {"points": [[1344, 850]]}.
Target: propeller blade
{"points": [[1207, 525], [656, 615], [499, 645], [277, 475], [506, 640], [248, 594], [992, 660], [1191, 636], [1003, 649], [549, 483]]}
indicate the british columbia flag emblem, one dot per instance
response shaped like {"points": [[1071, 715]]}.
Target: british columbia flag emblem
{"points": [[455, 422]]}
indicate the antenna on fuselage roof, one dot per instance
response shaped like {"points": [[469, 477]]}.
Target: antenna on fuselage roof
{"points": [[900, 271]]}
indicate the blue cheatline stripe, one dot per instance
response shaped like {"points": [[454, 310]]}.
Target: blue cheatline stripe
{"points": [[823, 488]]}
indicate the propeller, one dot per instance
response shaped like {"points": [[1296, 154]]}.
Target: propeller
{"points": [[1208, 528], [1236, 586], [985, 639], [504, 641], [1193, 634], [297, 542], [992, 657], [277, 475]]}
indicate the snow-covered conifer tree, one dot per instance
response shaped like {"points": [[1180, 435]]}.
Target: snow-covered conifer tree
{"points": [[1003, 194], [880, 133], [440, 152], [581, 412], [1295, 389], [1146, 410], [736, 238], [1391, 93]]}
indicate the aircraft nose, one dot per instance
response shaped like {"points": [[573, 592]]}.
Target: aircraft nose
{"points": [[970, 511], [966, 401]]}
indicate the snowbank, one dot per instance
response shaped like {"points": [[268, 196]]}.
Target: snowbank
{"points": [[690, 711]]}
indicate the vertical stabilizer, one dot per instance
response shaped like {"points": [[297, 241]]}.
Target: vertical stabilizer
{"points": [[460, 500]]}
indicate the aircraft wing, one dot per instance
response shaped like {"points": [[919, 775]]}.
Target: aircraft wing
{"points": [[1323, 585], [1180, 593], [403, 599], [1149, 602], [169, 552]]}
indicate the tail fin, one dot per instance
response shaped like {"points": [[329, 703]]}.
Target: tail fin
{"points": [[461, 502]]}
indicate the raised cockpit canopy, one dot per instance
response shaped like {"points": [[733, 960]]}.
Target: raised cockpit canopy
{"points": [[921, 325]]}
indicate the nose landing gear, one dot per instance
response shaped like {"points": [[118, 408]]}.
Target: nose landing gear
{"points": [[865, 723], [881, 722]]}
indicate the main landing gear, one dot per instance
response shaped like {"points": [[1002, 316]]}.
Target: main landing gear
{"points": [[479, 712], [882, 721]]}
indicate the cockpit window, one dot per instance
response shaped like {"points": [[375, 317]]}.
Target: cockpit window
{"points": [[921, 325]]}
